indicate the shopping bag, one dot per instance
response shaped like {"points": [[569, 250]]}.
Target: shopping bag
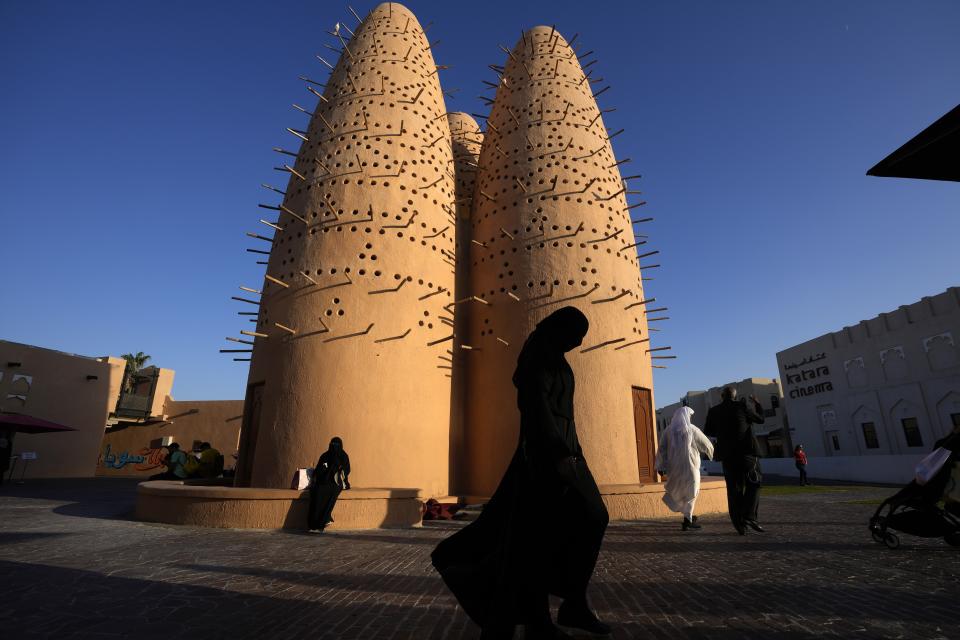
{"points": [[301, 479], [927, 468]]}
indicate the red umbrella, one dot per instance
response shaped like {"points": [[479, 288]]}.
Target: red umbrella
{"points": [[28, 424]]}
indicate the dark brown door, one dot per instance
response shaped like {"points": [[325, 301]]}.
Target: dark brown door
{"points": [[248, 434], [643, 423]]}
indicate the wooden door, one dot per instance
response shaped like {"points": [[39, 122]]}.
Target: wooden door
{"points": [[643, 424]]}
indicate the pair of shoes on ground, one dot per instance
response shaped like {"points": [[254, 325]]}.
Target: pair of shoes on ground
{"points": [[690, 523], [577, 615], [753, 524], [573, 615]]}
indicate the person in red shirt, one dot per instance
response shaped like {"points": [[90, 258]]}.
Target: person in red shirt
{"points": [[800, 458]]}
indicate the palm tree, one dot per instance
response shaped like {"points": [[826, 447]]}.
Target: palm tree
{"points": [[134, 364]]}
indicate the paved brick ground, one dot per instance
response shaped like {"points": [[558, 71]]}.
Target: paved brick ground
{"points": [[73, 565]]}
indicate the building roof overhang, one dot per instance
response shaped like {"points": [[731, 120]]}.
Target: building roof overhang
{"points": [[932, 154]]}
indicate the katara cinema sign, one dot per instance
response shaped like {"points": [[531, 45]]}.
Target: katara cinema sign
{"points": [[809, 379]]}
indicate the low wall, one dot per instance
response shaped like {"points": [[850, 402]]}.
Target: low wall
{"points": [[201, 505], [645, 501], [880, 469], [210, 504]]}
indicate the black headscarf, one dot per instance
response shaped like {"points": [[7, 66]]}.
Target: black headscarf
{"points": [[556, 334], [336, 456]]}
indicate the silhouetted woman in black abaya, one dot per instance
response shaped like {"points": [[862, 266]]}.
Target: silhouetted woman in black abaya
{"points": [[329, 478], [542, 529]]}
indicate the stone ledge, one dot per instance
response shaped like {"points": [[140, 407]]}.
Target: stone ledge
{"points": [[644, 501], [655, 487], [174, 502], [188, 489]]}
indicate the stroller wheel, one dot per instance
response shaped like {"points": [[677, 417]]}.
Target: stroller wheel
{"points": [[891, 540]]}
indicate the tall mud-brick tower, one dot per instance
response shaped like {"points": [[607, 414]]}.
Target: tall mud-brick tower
{"points": [[466, 138], [552, 227], [354, 328]]}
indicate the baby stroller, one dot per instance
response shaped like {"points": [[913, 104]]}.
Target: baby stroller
{"points": [[914, 510]]}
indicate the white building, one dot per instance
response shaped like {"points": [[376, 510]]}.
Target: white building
{"points": [[870, 399]]}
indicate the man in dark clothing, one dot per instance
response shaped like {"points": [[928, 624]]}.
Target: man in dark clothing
{"points": [[540, 533], [729, 422]]}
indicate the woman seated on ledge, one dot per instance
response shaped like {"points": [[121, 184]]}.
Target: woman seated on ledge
{"points": [[329, 478]]}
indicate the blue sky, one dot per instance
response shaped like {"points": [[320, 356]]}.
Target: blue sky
{"points": [[134, 137]]}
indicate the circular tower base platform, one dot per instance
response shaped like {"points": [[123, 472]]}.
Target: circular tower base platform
{"points": [[645, 501], [204, 505]]}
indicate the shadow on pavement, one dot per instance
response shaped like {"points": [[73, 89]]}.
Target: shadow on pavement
{"points": [[104, 498], [94, 605], [87, 604], [381, 583], [13, 537]]}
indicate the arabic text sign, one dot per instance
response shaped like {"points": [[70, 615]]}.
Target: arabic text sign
{"points": [[146, 459], [807, 360]]}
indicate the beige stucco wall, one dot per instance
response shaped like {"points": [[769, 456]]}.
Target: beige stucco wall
{"points": [[161, 394], [129, 451], [367, 278], [551, 213], [59, 392]]}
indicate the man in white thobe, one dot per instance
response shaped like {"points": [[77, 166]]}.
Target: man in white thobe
{"points": [[679, 460]]}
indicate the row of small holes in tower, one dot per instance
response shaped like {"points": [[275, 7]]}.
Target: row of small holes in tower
{"points": [[340, 312], [404, 220], [489, 329], [587, 114], [546, 70], [587, 157], [338, 110], [383, 182], [415, 64], [312, 151]]}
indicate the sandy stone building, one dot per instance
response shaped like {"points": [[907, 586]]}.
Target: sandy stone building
{"points": [[68, 389], [120, 429], [552, 227], [354, 332], [410, 256]]}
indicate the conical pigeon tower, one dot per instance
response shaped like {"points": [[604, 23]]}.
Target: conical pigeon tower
{"points": [[355, 314], [552, 227], [467, 137]]}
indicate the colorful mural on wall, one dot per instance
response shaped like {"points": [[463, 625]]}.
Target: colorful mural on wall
{"points": [[146, 459]]}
